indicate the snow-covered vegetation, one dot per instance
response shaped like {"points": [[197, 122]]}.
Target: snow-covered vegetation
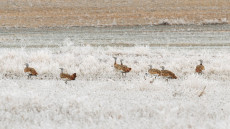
{"points": [[101, 98]]}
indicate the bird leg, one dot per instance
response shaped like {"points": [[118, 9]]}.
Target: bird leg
{"points": [[123, 73], [167, 79], [29, 76], [199, 73]]}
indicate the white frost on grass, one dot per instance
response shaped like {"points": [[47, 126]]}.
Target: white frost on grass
{"points": [[102, 98]]}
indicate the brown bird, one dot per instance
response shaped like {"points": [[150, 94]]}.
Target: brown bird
{"points": [[154, 72], [30, 71], [66, 76], [200, 68], [168, 74], [124, 69], [117, 66]]}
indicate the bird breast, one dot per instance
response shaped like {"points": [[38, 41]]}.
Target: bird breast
{"points": [[64, 75]]}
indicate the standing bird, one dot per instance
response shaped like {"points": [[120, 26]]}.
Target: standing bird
{"points": [[168, 74], [116, 66], [66, 76], [30, 71], [200, 68], [154, 72], [124, 69]]}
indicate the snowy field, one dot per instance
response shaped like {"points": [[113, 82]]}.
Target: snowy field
{"points": [[101, 98]]}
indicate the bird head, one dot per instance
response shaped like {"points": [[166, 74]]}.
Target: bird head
{"points": [[150, 66], [27, 65], [162, 67], [61, 70]]}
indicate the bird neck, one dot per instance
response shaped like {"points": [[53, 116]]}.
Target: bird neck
{"points": [[115, 62], [201, 62], [150, 67]]}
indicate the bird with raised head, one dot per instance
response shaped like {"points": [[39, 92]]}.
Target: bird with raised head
{"points": [[168, 74], [116, 66], [67, 77], [154, 72], [124, 69], [200, 68], [30, 71]]}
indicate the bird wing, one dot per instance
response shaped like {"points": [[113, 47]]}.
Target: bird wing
{"points": [[202, 67], [199, 68], [172, 75], [125, 68], [154, 71], [33, 71], [26, 70], [64, 75], [72, 77], [30, 71], [164, 73], [168, 73]]}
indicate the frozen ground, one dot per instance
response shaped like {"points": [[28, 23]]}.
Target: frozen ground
{"points": [[101, 98]]}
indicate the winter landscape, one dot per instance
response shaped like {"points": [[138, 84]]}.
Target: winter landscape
{"points": [[100, 97]]}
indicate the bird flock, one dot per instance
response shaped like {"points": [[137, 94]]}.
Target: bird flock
{"points": [[167, 74], [32, 72]]}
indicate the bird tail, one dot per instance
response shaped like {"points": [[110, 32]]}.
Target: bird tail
{"points": [[174, 76], [127, 69], [73, 76]]}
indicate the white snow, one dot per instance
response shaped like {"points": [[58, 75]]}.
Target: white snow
{"points": [[101, 98]]}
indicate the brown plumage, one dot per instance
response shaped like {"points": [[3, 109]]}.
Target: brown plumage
{"points": [[117, 66], [124, 69], [200, 68], [120, 67], [154, 71], [30, 71], [66, 76], [168, 74]]}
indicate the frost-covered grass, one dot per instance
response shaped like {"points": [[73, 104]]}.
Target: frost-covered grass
{"points": [[101, 98]]}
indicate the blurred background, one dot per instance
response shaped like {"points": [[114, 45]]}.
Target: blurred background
{"points": [[67, 13]]}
